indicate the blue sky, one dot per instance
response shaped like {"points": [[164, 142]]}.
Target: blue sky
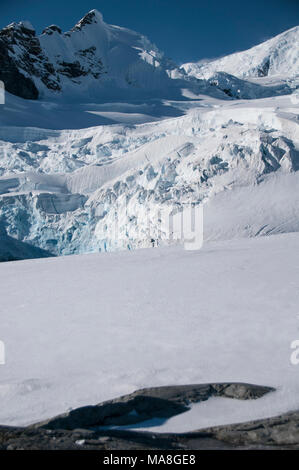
{"points": [[185, 30]]}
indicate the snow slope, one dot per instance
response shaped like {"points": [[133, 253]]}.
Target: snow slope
{"points": [[82, 329], [277, 56]]}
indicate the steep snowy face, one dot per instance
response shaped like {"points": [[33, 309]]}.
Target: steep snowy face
{"points": [[277, 56], [94, 55]]}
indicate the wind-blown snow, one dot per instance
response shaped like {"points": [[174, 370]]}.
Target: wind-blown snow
{"points": [[82, 329]]}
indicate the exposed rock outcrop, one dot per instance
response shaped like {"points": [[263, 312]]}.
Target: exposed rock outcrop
{"points": [[158, 402], [22, 60]]}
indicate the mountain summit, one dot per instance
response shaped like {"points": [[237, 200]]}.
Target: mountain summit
{"points": [[93, 54]]}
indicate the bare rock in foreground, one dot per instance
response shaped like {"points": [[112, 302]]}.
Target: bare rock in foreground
{"points": [[149, 403]]}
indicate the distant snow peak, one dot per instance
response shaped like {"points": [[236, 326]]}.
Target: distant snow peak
{"points": [[276, 56]]}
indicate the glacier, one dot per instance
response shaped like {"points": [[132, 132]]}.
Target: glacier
{"points": [[59, 188]]}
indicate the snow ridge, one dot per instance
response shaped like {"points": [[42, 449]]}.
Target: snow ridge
{"points": [[277, 56]]}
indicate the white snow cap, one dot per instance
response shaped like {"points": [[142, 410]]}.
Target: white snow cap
{"points": [[27, 25], [97, 14]]}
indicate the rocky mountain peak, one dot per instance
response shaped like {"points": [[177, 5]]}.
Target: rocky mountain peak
{"points": [[86, 60], [92, 17], [20, 30]]}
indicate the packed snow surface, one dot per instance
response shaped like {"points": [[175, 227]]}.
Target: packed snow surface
{"points": [[82, 329]]}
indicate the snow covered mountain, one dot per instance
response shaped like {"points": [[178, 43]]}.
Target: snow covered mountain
{"points": [[103, 135], [277, 56], [95, 61], [92, 55]]}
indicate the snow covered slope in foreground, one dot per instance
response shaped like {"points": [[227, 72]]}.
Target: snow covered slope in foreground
{"points": [[277, 56], [82, 329]]}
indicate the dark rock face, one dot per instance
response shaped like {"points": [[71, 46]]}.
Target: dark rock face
{"points": [[281, 432], [72, 69], [159, 402], [80, 439], [15, 82], [24, 63], [21, 59], [278, 431], [264, 68]]}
